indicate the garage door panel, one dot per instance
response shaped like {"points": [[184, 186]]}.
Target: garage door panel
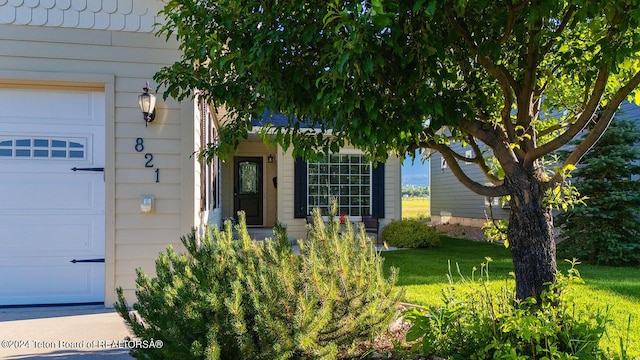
{"points": [[58, 281], [18, 107], [24, 233], [58, 192]]}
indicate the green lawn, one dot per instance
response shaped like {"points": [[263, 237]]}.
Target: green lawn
{"points": [[423, 273]]}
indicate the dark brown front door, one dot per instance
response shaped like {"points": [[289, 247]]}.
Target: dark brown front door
{"points": [[248, 188]]}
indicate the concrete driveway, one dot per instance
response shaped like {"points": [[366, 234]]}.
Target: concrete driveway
{"points": [[83, 332]]}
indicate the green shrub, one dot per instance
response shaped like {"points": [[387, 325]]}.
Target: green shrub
{"points": [[410, 234], [247, 299], [476, 322], [609, 180]]}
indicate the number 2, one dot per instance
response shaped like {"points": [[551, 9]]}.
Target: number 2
{"points": [[149, 158]]}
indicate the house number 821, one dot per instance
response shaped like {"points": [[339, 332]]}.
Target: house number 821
{"points": [[139, 147]]}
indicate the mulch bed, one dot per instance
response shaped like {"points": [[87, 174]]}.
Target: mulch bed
{"points": [[462, 232]]}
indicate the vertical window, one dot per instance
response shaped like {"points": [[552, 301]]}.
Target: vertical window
{"points": [[345, 178], [209, 172]]}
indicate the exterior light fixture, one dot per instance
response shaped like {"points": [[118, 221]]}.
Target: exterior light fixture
{"points": [[147, 104], [270, 158]]}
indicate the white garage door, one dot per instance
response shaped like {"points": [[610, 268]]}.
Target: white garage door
{"points": [[52, 225]]}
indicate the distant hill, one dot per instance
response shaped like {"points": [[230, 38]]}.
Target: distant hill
{"points": [[416, 173]]}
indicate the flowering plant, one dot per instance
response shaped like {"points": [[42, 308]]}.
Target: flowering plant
{"points": [[341, 218]]}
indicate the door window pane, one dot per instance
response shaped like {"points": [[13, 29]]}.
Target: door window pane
{"points": [[247, 178]]}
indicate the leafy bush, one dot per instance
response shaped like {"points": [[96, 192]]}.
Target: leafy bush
{"points": [[476, 322], [247, 299], [410, 234]]}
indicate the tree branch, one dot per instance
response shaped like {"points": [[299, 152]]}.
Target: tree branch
{"points": [[575, 128], [500, 73], [565, 21], [482, 163], [505, 114], [511, 16], [478, 159], [600, 127], [529, 91], [448, 155], [500, 146], [551, 129]]}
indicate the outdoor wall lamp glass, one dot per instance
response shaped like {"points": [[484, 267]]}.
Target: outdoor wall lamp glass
{"points": [[270, 158], [147, 104]]}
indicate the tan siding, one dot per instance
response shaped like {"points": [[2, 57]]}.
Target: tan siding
{"points": [[58, 35], [148, 221], [128, 101], [141, 176], [142, 41], [90, 52], [160, 160], [135, 130], [123, 270], [136, 190], [190, 205], [140, 251], [161, 146], [227, 189], [148, 236], [132, 206], [140, 71], [295, 227]]}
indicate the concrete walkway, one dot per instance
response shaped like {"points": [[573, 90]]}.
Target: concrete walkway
{"points": [[83, 332]]}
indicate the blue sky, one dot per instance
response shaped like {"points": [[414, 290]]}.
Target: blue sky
{"points": [[415, 173]]}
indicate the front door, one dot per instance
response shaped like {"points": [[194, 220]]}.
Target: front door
{"points": [[248, 188]]}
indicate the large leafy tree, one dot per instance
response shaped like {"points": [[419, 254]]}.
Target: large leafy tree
{"points": [[514, 79]]}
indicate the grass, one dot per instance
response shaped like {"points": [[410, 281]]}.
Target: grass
{"points": [[416, 207], [423, 274]]}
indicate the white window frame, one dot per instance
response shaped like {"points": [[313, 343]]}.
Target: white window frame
{"points": [[351, 204]]}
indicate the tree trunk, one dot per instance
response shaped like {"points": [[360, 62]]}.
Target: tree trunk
{"points": [[530, 235]]}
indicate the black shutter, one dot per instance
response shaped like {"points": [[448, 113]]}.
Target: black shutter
{"points": [[377, 190], [300, 188]]}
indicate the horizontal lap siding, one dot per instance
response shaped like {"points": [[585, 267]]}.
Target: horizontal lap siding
{"points": [[450, 198], [392, 191], [132, 59], [629, 111]]}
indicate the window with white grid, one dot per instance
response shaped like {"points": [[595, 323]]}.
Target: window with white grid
{"points": [[343, 177]]}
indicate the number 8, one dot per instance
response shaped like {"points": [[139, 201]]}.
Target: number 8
{"points": [[139, 145]]}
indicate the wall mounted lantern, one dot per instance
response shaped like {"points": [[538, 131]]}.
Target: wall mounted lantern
{"points": [[147, 104], [270, 158]]}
